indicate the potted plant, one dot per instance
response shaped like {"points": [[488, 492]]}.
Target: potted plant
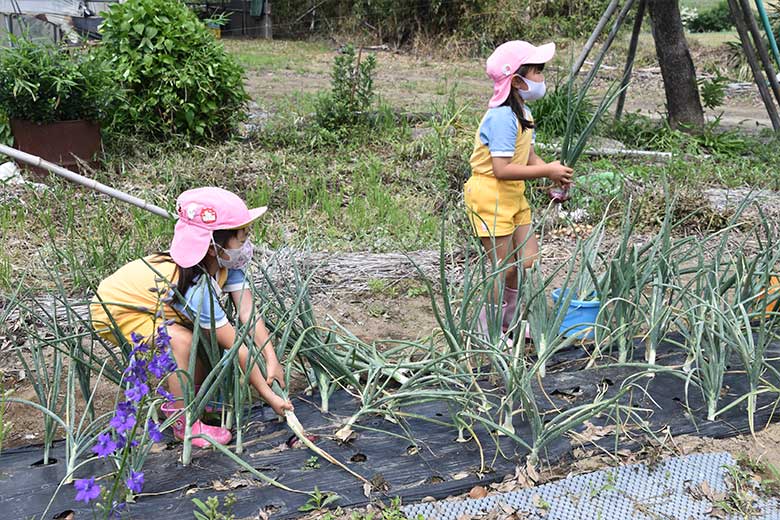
{"points": [[55, 99]]}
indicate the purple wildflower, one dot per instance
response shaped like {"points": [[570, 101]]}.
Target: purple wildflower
{"points": [[161, 364], [141, 348], [104, 446], [167, 395], [117, 508], [136, 372], [163, 340], [154, 431], [135, 482], [137, 391], [86, 489], [124, 419], [136, 338]]}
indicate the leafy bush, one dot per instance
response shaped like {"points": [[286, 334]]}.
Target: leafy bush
{"points": [[713, 20], [551, 112], [351, 94], [713, 91], [180, 81], [483, 23], [687, 15], [42, 82], [640, 132]]}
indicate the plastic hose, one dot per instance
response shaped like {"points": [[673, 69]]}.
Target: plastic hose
{"points": [[768, 29]]}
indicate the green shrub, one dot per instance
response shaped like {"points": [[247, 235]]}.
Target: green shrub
{"points": [[351, 93], [713, 91], [43, 82], [482, 23], [713, 20], [550, 113], [179, 80]]}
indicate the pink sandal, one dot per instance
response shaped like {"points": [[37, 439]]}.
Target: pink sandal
{"points": [[220, 435]]}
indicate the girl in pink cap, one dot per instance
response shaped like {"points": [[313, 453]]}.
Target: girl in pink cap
{"points": [[502, 160], [208, 257]]}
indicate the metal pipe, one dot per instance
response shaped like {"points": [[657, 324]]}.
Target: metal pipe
{"points": [[56, 169], [768, 28]]}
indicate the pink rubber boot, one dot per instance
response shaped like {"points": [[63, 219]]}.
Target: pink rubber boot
{"points": [[221, 435], [511, 296], [482, 324]]}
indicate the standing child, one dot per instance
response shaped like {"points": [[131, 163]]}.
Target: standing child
{"points": [[503, 159], [211, 239]]}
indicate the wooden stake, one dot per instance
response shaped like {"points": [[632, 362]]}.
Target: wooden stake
{"points": [[750, 54], [610, 38], [593, 37], [640, 14], [763, 53]]}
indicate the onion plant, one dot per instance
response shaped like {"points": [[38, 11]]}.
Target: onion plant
{"points": [[703, 329]]}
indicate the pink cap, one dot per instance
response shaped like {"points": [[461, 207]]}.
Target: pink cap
{"points": [[507, 58], [201, 211]]}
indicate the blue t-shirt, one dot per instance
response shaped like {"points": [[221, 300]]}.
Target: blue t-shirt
{"points": [[499, 131], [203, 301]]}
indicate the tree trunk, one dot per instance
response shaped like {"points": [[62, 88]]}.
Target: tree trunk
{"points": [[682, 93]]}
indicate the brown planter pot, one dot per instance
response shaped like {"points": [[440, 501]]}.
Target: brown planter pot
{"points": [[59, 142]]}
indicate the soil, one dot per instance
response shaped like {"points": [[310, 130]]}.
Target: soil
{"points": [[419, 83]]}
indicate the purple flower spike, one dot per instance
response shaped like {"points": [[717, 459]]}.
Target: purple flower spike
{"points": [[136, 481], [137, 392], [124, 419], [163, 340], [116, 510], [136, 338], [154, 431], [104, 446], [161, 364], [87, 490]]}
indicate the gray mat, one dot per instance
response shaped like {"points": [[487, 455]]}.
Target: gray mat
{"points": [[665, 491]]}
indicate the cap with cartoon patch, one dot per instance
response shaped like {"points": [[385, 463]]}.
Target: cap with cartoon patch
{"points": [[202, 211]]}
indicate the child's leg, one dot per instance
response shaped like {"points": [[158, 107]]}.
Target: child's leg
{"points": [[181, 345], [528, 251], [498, 248]]}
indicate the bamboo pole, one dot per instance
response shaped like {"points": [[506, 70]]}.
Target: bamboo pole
{"points": [[762, 51], [640, 14], [80, 179], [750, 54], [610, 38], [593, 37]]}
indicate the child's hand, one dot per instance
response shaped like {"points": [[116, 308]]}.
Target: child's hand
{"points": [[279, 405], [274, 372], [559, 173]]}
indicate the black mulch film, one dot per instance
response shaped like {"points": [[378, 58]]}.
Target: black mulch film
{"points": [[412, 470]]}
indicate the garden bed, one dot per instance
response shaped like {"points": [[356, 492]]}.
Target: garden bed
{"points": [[428, 464]]}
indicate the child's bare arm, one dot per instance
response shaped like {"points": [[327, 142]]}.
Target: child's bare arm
{"points": [[244, 303], [505, 170], [226, 338]]}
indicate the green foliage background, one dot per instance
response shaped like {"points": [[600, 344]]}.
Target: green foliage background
{"points": [[178, 79], [44, 82], [484, 22]]}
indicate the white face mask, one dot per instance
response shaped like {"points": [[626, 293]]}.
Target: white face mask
{"points": [[536, 90], [238, 258]]}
